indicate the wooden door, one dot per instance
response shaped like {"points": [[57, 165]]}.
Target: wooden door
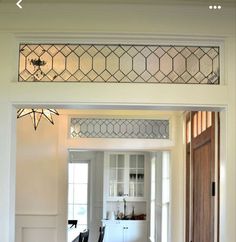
{"points": [[203, 176]]}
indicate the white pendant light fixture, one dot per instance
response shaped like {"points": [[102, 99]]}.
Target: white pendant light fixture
{"points": [[37, 114]]}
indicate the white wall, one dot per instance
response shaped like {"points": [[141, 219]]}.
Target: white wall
{"points": [[36, 168], [38, 190], [36, 181], [111, 23]]}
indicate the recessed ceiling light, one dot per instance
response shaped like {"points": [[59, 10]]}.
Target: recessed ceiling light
{"points": [[215, 7], [210, 7], [219, 7]]}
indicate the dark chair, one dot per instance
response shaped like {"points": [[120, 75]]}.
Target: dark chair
{"points": [[72, 222], [101, 233], [82, 237]]}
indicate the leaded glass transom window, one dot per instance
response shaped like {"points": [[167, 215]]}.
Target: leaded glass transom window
{"points": [[119, 63], [119, 128]]}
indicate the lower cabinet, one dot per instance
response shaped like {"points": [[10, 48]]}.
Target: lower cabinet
{"points": [[125, 231]]}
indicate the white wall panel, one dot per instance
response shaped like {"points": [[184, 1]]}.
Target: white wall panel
{"points": [[36, 228], [39, 235]]}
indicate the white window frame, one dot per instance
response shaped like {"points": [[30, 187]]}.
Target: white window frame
{"points": [[160, 230], [88, 189]]}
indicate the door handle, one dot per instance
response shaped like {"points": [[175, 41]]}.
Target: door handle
{"points": [[213, 189]]}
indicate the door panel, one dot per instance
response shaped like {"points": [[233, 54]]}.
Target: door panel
{"points": [[136, 232], [202, 193], [114, 232], [201, 177]]}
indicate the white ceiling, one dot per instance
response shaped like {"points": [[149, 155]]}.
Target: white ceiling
{"points": [[195, 2]]}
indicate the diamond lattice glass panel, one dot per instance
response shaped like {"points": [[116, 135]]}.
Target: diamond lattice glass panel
{"points": [[119, 63], [119, 128]]}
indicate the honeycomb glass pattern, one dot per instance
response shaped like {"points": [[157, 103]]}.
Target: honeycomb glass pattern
{"points": [[119, 128], [119, 63]]}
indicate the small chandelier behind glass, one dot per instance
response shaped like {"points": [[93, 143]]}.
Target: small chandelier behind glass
{"points": [[38, 63], [37, 114]]}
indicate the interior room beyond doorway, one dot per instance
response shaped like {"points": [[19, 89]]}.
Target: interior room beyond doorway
{"points": [[47, 193]]}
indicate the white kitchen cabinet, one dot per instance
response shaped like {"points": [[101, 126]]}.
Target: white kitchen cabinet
{"points": [[125, 230], [125, 184], [124, 176]]}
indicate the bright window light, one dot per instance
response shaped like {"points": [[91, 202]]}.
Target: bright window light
{"points": [[77, 198]]}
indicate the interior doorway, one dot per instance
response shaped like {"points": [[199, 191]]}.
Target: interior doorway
{"points": [[138, 144]]}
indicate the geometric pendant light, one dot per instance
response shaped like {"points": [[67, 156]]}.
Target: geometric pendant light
{"points": [[37, 114]]}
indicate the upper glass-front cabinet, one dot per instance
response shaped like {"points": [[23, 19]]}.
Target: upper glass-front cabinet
{"points": [[125, 176], [116, 175], [136, 175]]}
